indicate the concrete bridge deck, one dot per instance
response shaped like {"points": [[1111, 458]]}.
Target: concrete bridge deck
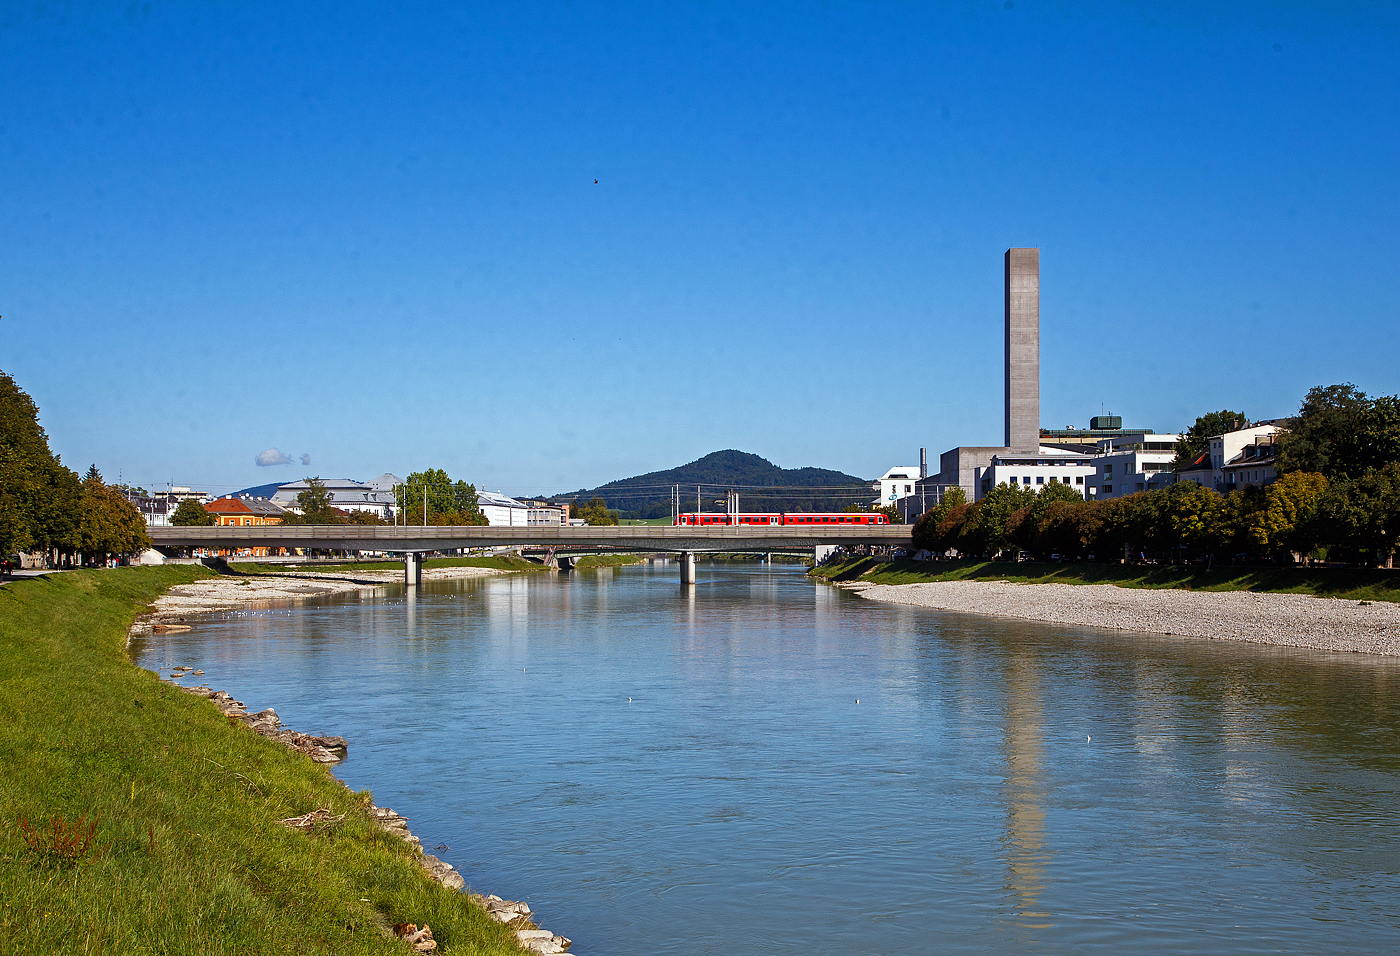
{"points": [[630, 538], [412, 542]]}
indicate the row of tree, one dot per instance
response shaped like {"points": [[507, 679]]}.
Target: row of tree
{"points": [[1339, 491], [45, 506]]}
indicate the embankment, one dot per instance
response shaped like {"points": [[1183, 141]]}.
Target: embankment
{"points": [[137, 818], [1213, 605]]}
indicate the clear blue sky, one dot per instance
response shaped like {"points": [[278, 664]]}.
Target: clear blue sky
{"points": [[371, 233]]}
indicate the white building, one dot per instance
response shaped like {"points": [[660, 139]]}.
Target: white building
{"points": [[1132, 463], [896, 483], [545, 516], [501, 511], [1051, 466], [1246, 455], [346, 494]]}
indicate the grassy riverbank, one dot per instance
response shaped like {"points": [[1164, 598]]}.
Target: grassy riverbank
{"points": [[608, 560], [1359, 584], [501, 562], [186, 855]]}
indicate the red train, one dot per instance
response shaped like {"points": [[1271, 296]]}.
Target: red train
{"points": [[783, 518]]}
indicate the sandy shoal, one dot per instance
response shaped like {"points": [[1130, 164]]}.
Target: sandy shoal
{"points": [[239, 593]]}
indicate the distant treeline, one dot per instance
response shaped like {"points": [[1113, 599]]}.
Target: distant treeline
{"points": [[1338, 496], [45, 506]]}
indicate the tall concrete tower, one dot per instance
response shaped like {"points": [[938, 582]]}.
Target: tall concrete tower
{"points": [[1023, 350]]}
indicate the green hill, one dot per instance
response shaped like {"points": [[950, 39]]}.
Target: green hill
{"points": [[762, 486]]}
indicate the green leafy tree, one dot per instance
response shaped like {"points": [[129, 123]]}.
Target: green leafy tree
{"points": [[315, 504], [1341, 433], [191, 512], [108, 524], [39, 497], [1198, 436], [929, 533], [1025, 525], [433, 486], [988, 527], [467, 504], [1364, 513], [596, 512], [1283, 522]]}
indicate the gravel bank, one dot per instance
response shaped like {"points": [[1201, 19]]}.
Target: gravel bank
{"points": [[1290, 620], [220, 594]]}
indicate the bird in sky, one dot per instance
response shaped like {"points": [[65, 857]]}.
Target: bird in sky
{"points": [[595, 182]]}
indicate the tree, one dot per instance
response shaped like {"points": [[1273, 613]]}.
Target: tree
{"points": [[1283, 521], [109, 524], [39, 497], [315, 504], [1364, 513], [191, 512], [596, 513], [467, 504], [1198, 436], [1340, 433], [892, 513], [925, 534], [987, 531]]}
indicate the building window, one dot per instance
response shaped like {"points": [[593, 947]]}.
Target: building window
{"points": [[1108, 471], [1079, 479], [1013, 479], [1040, 479], [1108, 489]]}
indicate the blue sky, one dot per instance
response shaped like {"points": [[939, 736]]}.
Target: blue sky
{"points": [[371, 233]]}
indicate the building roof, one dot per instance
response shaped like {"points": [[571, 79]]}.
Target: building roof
{"points": [[496, 499]]}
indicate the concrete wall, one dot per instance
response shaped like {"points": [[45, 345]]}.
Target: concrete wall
{"points": [[1022, 350], [960, 466]]}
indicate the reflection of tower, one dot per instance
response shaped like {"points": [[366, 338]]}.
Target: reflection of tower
{"points": [[1025, 807]]}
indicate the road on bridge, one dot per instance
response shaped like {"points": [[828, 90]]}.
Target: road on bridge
{"points": [[400, 540]]}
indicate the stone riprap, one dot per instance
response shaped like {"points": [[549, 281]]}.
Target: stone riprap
{"points": [[1286, 620], [328, 750]]}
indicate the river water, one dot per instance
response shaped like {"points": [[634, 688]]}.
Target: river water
{"points": [[761, 764]]}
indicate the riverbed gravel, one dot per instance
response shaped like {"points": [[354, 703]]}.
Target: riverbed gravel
{"points": [[214, 595], [1289, 620]]}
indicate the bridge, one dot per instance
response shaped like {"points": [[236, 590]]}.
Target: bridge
{"points": [[413, 542]]}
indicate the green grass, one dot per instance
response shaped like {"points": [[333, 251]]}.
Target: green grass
{"points": [[608, 560], [505, 562], [1358, 584], [188, 856]]}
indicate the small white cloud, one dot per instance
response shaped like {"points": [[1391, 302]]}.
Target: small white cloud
{"points": [[271, 457], [306, 459]]}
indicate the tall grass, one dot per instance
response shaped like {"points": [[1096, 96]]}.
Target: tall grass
{"points": [[185, 854]]}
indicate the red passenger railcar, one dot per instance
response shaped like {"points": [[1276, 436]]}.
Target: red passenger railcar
{"points": [[782, 518]]}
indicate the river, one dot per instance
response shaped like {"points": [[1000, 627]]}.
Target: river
{"points": [[761, 764]]}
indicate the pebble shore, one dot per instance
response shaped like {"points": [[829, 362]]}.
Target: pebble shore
{"points": [[1284, 620], [216, 595]]}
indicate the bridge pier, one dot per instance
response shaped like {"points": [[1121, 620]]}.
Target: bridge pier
{"points": [[412, 569], [687, 567]]}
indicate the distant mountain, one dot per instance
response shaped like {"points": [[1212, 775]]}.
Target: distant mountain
{"points": [[762, 486], [258, 491]]}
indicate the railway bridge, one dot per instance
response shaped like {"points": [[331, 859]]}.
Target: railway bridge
{"points": [[414, 542]]}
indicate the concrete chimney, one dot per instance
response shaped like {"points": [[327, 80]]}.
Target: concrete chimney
{"points": [[1023, 351]]}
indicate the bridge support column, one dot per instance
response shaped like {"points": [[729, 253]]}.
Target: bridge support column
{"points": [[412, 569], [687, 567]]}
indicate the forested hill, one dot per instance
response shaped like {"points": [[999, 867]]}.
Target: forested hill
{"points": [[762, 486]]}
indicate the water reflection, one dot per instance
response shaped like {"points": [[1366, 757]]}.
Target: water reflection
{"points": [[687, 770], [1024, 842]]}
